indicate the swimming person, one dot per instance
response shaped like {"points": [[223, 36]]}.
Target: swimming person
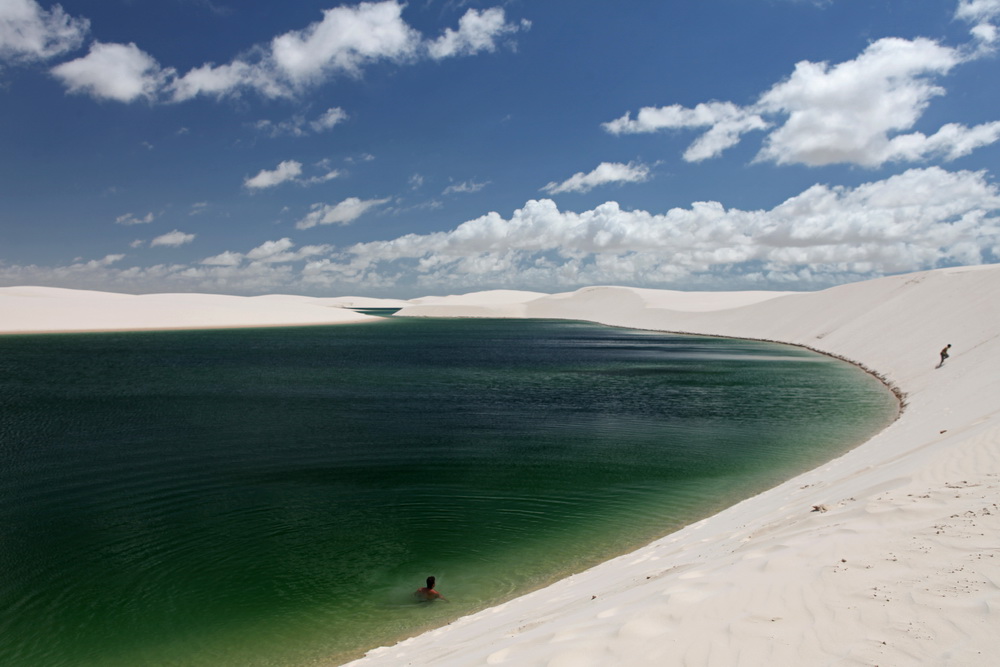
{"points": [[427, 593]]}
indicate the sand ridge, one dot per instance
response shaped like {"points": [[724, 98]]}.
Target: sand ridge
{"points": [[54, 310]]}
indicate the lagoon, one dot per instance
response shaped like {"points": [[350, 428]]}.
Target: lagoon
{"points": [[273, 496]]}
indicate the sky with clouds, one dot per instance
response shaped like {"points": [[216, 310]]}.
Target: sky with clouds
{"points": [[445, 146]]}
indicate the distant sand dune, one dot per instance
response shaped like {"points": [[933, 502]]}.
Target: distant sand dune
{"points": [[49, 310]]}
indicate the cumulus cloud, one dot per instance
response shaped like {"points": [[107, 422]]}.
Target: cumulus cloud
{"points": [[227, 258], [130, 219], [289, 170], [270, 252], [343, 213], [950, 142], [120, 72], [604, 173], [345, 41], [978, 10], [726, 121], [981, 13], [855, 112], [172, 239], [845, 113], [477, 31], [919, 219], [30, 33], [271, 249]]}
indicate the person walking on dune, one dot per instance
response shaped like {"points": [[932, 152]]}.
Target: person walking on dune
{"points": [[944, 354]]}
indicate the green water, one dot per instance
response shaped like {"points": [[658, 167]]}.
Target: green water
{"points": [[274, 496]]}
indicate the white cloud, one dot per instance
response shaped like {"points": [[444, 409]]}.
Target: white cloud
{"points": [[172, 239], [855, 112], [343, 213], [289, 170], [986, 34], [345, 41], [604, 173], [270, 249], [294, 126], [727, 123], [130, 219], [477, 31], [119, 72], [323, 178], [465, 187], [269, 252], [28, 32], [280, 251], [919, 219], [952, 141], [222, 80], [364, 157], [978, 10], [331, 117], [106, 261], [982, 13], [845, 113], [226, 258]]}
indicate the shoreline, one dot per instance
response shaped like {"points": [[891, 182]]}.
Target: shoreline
{"points": [[365, 657], [900, 563]]}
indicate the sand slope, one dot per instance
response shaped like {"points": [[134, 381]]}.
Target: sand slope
{"points": [[901, 565]]}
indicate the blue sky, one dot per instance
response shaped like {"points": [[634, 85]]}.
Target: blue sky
{"points": [[447, 146]]}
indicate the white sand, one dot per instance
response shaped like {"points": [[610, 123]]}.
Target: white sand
{"points": [[496, 303], [902, 567], [49, 309]]}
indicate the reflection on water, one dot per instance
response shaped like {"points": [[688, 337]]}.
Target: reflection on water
{"points": [[274, 496]]}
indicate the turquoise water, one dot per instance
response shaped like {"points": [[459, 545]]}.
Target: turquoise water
{"points": [[273, 496]]}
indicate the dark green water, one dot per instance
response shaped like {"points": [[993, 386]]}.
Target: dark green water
{"points": [[274, 496]]}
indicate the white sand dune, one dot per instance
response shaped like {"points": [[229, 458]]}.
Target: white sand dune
{"points": [[900, 567], [496, 303], [49, 310]]}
